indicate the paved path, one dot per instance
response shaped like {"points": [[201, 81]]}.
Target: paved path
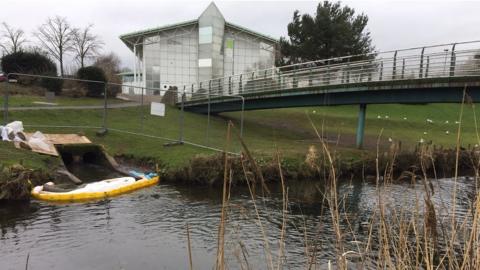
{"points": [[86, 107]]}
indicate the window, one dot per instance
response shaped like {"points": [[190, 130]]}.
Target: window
{"points": [[205, 35], [206, 62]]}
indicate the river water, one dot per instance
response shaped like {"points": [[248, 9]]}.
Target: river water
{"points": [[147, 229]]}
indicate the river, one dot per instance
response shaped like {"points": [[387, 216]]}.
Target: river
{"points": [[147, 229]]}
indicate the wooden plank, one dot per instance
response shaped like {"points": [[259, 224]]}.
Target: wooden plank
{"points": [[64, 138], [56, 139], [52, 151]]}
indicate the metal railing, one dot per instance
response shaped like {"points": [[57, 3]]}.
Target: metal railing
{"points": [[444, 60]]}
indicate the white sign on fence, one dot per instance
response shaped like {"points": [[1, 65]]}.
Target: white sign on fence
{"points": [[157, 108]]}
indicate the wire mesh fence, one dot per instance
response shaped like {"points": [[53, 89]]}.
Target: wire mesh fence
{"points": [[73, 111], [107, 112]]}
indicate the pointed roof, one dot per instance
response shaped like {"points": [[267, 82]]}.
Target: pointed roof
{"points": [[213, 8]]}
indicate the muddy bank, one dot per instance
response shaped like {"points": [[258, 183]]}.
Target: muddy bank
{"points": [[392, 166], [16, 181], [74, 166]]}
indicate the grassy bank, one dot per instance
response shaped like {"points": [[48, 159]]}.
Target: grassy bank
{"points": [[265, 131], [142, 139]]}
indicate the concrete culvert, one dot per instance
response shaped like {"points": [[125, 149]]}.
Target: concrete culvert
{"points": [[67, 158], [92, 157]]}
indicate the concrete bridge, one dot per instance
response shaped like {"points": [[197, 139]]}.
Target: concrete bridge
{"points": [[432, 74]]}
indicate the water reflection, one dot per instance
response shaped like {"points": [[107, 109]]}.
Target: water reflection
{"points": [[147, 229]]}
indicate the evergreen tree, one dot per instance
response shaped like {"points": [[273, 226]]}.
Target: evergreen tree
{"points": [[333, 31]]}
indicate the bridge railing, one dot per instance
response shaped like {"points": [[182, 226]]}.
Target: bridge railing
{"points": [[446, 60]]}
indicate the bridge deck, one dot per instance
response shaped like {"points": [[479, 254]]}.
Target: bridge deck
{"points": [[439, 90]]}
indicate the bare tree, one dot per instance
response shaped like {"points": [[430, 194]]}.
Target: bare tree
{"points": [[110, 64], [56, 37], [14, 39], [86, 44]]}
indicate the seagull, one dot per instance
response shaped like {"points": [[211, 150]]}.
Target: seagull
{"points": [[429, 120], [447, 132], [386, 117], [424, 133], [314, 111], [379, 117], [422, 140], [446, 122], [404, 118], [390, 139]]}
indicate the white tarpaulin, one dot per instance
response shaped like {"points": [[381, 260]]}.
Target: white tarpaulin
{"points": [[157, 108]]}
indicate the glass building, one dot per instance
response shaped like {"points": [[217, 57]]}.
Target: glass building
{"points": [[194, 51]]}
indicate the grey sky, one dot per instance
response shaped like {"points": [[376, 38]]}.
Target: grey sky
{"points": [[393, 24]]}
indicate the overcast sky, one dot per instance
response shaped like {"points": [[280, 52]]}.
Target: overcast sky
{"points": [[393, 24]]}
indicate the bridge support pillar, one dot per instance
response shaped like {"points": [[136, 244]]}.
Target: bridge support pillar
{"points": [[361, 125]]}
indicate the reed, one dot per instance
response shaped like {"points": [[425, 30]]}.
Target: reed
{"points": [[412, 236]]}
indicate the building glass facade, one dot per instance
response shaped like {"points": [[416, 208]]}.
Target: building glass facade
{"points": [[195, 51]]}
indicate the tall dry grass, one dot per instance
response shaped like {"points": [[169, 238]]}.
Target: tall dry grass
{"points": [[409, 237]]}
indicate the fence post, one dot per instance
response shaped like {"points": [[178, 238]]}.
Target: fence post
{"points": [[241, 117], [230, 85], [403, 68], [278, 78], [105, 107], [394, 71], [381, 71], [208, 110], [452, 61], [348, 73], [370, 71], [420, 73], [264, 81], [240, 85], [427, 67], [141, 111], [294, 79], [310, 79], [5, 103], [328, 73], [182, 118]]}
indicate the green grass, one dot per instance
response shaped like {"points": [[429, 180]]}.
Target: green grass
{"points": [[29, 101], [342, 121], [9, 155], [265, 130]]}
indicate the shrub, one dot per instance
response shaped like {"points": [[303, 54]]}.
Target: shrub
{"points": [[94, 74], [33, 63]]}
